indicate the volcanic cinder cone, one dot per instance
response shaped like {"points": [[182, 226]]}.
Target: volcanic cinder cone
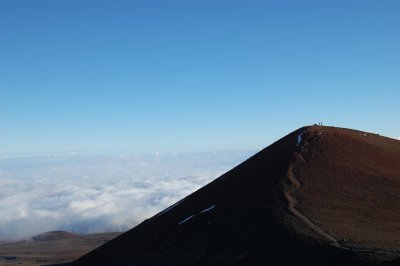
{"points": [[318, 196]]}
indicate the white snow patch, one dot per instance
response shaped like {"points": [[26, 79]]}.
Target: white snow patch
{"points": [[208, 209], [299, 139], [187, 219], [168, 209]]}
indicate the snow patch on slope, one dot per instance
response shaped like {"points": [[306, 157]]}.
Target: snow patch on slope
{"points": [[299, 139], [169, 208], [187, 219], [208, 209]]}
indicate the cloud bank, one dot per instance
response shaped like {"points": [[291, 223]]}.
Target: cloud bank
{"points": [[98, 193]]}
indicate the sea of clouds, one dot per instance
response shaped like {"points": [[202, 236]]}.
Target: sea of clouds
{"points": [[99, 193]]}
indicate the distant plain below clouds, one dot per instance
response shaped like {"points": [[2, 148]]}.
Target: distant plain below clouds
{"points": [[98, 193]]}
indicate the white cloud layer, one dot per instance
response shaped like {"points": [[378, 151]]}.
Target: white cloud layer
{"points": [[87, 194]]}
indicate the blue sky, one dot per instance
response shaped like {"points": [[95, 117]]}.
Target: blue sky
{"points": [[193, 75]]}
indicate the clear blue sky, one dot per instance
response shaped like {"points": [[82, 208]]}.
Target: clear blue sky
{"points": [[192, 75]]}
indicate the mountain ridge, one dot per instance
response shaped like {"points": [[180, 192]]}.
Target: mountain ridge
{"points": [[263, 211]]}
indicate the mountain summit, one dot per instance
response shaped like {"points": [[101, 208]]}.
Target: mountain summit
{"points": [[318, 196]]}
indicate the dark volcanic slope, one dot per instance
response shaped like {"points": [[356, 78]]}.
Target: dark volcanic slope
{"points": [[351, 185], [277, 208]]}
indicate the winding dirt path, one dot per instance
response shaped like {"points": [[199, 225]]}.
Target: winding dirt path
{"points": [[294, 185], [292, 202]]}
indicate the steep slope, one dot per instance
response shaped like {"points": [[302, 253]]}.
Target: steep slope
{"points": [[261, 212], [351, 186]]}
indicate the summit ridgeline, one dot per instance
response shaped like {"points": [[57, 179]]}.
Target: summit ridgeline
{"points": [[318, 196]]}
